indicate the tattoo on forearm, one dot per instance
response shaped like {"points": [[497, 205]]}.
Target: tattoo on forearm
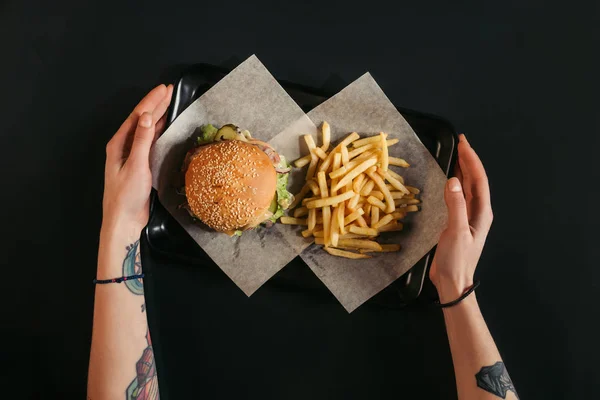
{"points": [[495, 379], [145, 384], [132, 265]]}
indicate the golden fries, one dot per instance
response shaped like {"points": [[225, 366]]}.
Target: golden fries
{"points": [[384, 249], [300, 212], [399, 162], [363, 231], [326, 131], [354, 194], [384, 153], [345, 254], [365, 141], [329, 201], [293, 221]]}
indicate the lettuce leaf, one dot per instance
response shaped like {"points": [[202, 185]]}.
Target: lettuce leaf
{"points": [[207, 134], [284, 198]]}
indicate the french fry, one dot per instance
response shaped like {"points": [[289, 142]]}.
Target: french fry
{"points": [[377, 194], [312, 167], [302, 161], [398, 214], [345, 254], [322, 184], [395, 183], [312, 219], [319, 153], [337, 161], [367, 208], [300, 196], [374, 216], [361, 222], [314, 187], [377, 203], [293, 221], [307, 233], [385, 248], [360, 244], [359, 150], [341, 211], [413, 190], [345, 155], [300, 212], [391, 227], [358, 182], [365, 141], [363, 231], [326, 131], [310, 142], [348, 186], [412, 208], [390, 206], [395, 175], [307, 200], [410, 196], [383, 221], [402, 201], [347, 140], [329, 201], [399, 162], [319, 234], [362, 167], [327, 225], [396, 194], [353, 216], [353, 203], [367, 188], [384, 153], [334, 227], [342, 171]]}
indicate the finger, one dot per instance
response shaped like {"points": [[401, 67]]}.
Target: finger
{"points": [[160, 127], [458, 172], [477, 189], [143, 139], [163, 106], [457, 207], [118, 146], [151, 101]]}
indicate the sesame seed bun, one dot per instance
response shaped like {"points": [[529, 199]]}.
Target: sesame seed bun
{"points": [[230, 185]]}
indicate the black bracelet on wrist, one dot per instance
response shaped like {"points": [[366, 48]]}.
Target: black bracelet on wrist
{"points": [[461, 298], [118, 280]]}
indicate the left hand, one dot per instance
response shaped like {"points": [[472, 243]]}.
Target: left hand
{"points": [[128, 179]]}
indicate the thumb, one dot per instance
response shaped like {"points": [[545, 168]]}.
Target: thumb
{"points": [[143, 139], [457, 206]]}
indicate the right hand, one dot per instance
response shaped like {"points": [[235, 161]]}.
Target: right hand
{"points": [[469, 219]]}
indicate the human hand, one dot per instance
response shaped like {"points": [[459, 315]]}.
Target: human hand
{"points": [[469, 219], [128, 180]]}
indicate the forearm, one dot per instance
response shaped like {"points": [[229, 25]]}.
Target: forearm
{"points": [[120, 334], [474, 354]]}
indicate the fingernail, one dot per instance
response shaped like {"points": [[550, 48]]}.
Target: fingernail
{"points": [[454, 185], [146, 120]]}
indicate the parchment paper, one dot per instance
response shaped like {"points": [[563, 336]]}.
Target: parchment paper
{"points": [[252, 99], [364, 108]]}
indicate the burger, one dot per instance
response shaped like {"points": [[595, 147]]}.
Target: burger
{"points": [[234, 182]]}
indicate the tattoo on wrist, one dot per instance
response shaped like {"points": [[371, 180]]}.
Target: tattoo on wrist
{"points": [[495, 379], [132, 265]]}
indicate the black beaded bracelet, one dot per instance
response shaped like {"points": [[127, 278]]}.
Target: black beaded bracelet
{"points": [[461, 298], [118, 280]]}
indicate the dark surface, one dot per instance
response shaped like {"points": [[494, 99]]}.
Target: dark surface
{"points": [[520, 78]]}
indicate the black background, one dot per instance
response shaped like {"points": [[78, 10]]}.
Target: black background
{"points": [[520, 78]]}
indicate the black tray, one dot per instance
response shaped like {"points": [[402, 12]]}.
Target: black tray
{"points": [[166, 237]]}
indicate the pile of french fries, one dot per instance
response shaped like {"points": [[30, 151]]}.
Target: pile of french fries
{"points": [[354, 195]]}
